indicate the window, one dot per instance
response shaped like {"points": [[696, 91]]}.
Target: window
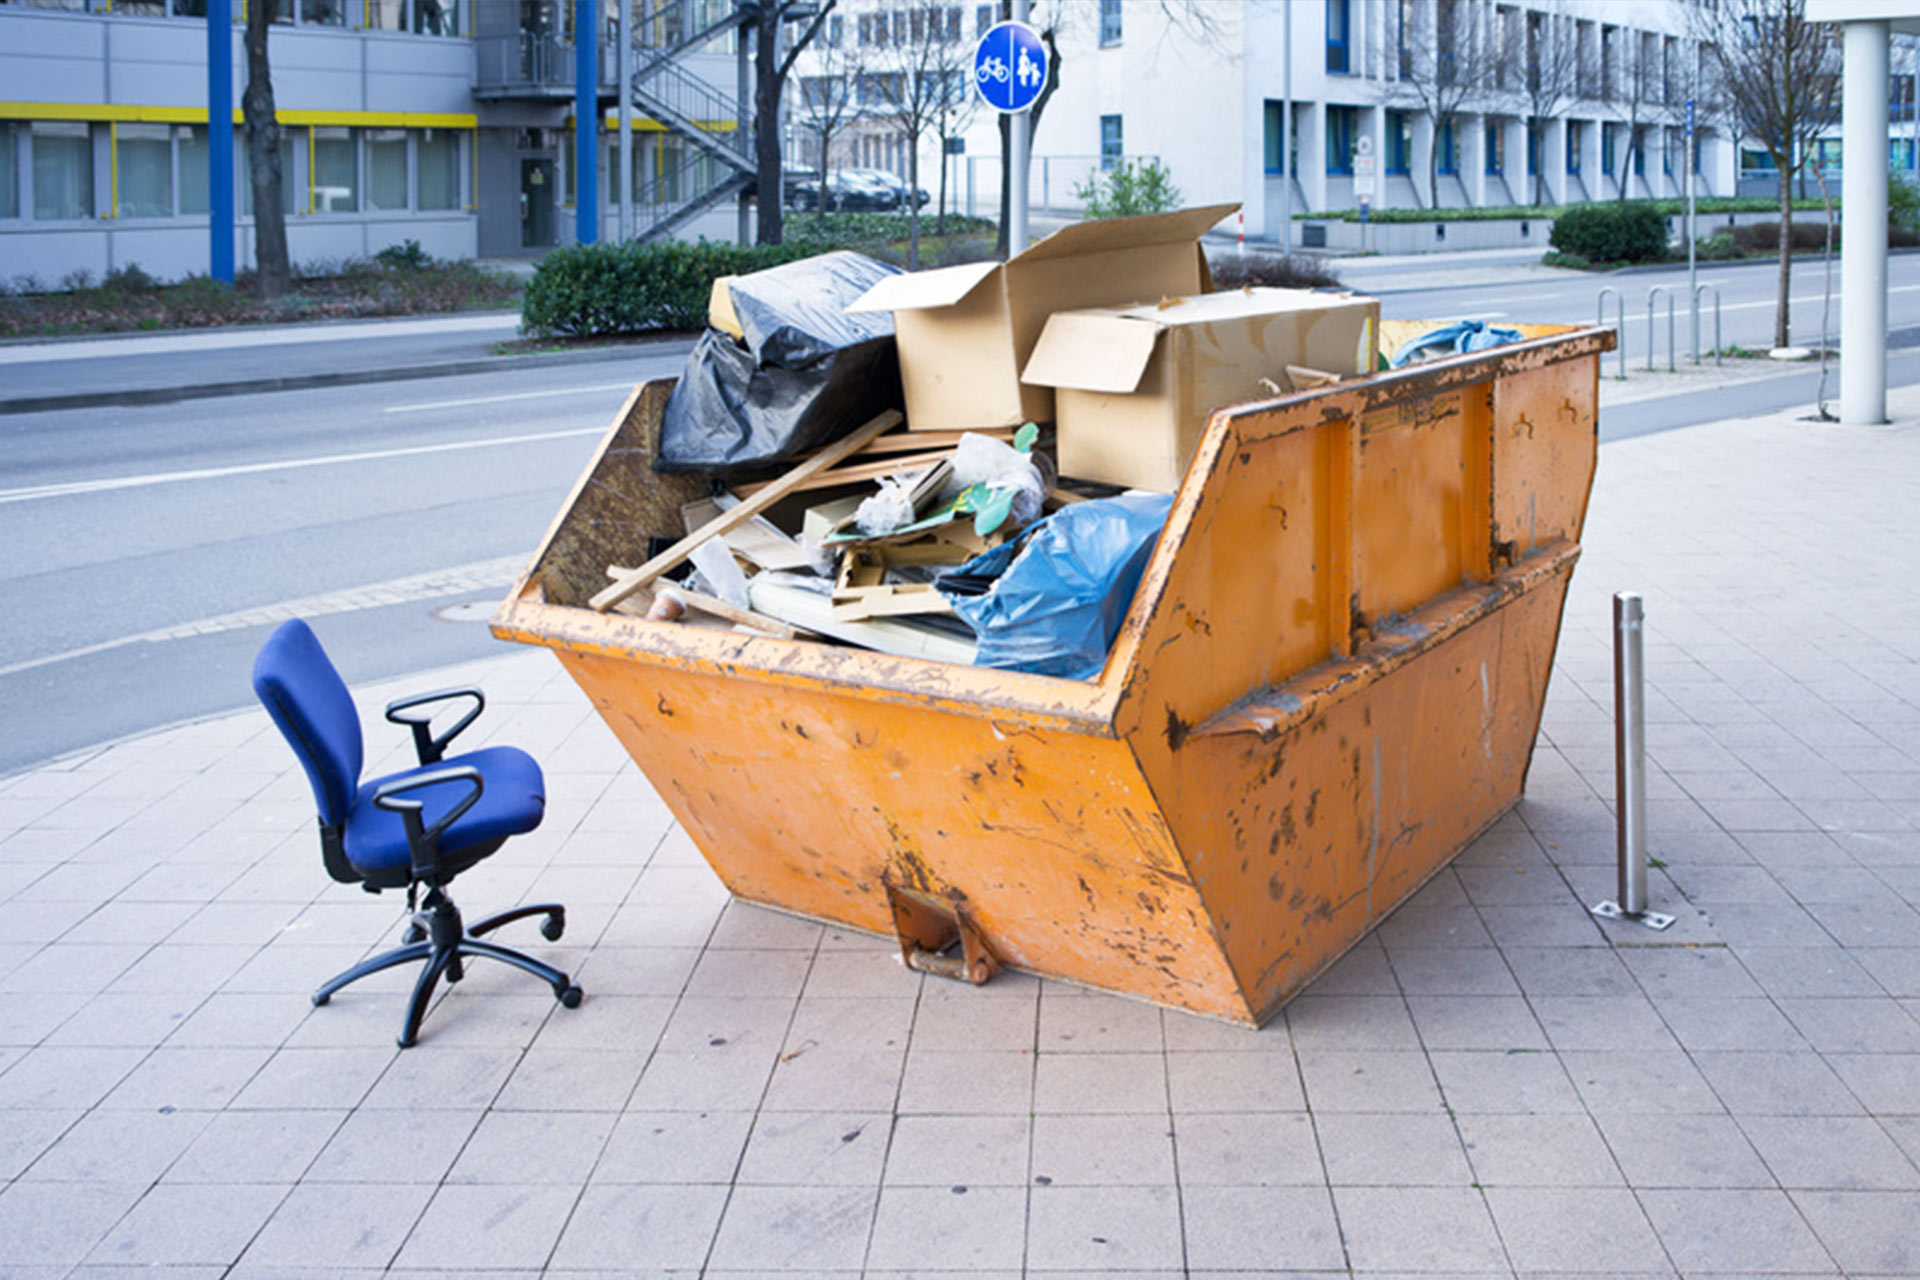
{"points": [[190, 151], [1446, 145], [336, 176], [62, 171], [1756, 161], [387, 15], [386, 168], [1900, 98], [1399, 157], [1609, 136], [1899, 154], [1340, 134], [1273, 139], [982, 19], [836, 30], [9, 172], [1339, 35], [1496, 148], [436, 17], [143, 169], [325, 13], [1666, 152], [1533, 149], [1576, 136], [1639, 145], [1111, 143], [1109, 22]]}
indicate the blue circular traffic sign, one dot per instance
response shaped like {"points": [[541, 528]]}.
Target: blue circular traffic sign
{"points": [[1010, 66]]}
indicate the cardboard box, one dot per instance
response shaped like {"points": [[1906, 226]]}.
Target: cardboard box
{"points": [[965, 332], [1134, 386]]}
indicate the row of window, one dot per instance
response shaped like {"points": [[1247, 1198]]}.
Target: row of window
{"points": [[918, 25], [422, 17], [1342, 128], [63, 171]]}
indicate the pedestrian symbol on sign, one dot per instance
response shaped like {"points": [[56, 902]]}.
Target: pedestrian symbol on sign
{"points": [[1010, 66]]}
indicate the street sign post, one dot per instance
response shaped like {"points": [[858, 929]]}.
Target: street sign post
{"points": [[1364, 168], [1009, 70]]}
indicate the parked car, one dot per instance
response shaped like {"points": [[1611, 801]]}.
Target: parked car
{"points": [[894, 183], [848, 191]]}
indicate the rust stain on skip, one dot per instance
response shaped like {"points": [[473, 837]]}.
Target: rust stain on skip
{"points": [[1312, 706]]}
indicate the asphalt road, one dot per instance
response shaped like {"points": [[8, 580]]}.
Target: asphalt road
{"points": [[150, 548], [134, 535]]}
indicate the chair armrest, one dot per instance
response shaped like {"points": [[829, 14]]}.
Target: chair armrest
{"points": [[425, 745], [424, 842]]}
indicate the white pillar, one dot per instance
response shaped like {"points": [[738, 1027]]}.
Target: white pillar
{"points": [[1863, 228]]}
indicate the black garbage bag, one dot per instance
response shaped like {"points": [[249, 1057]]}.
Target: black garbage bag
{"points": [[1052, 601], [806, 374]]}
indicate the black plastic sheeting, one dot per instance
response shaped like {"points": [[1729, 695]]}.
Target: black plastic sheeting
{"points": [[806, 375], [1052, 601]]}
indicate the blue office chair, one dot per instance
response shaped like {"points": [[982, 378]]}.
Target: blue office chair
{"points": [[415, 829]]}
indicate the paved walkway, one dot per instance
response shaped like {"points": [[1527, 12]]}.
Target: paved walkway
{"points": [[1493, 1084]]}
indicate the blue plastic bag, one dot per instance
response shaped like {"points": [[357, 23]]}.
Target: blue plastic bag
{"points": [[1052, 602], [1454, 339]]}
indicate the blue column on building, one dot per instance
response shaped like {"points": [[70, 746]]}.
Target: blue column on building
{"points": [[220, 138], [586, 121]]}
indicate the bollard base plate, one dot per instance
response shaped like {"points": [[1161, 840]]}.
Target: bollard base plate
{"points": [[1651, 919]]}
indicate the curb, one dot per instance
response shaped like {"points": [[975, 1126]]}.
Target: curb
{"points": [[303, 382]]}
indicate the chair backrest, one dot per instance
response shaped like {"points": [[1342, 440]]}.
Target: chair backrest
{"points": [[308, 700]]}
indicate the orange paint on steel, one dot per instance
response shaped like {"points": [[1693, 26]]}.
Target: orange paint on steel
{"points": [[1329, 683]]}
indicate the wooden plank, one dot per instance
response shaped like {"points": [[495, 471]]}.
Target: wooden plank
{"points": [[714, 606], [908, 441], [855, 473], [768, 494]]}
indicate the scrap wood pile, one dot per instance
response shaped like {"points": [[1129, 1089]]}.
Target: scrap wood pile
{"points": [[884, 451]]}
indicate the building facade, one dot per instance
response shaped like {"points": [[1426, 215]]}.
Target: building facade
{"points": [[444, 122], [1314, 105]]}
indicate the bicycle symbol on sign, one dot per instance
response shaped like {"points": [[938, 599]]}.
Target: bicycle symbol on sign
{"points": [[994, 69]]}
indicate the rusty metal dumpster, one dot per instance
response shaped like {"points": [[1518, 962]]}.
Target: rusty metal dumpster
{"points": [[1329, 683]]}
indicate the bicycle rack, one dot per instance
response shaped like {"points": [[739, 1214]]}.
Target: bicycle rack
{"points": [[1620, 323], [1652, 294], [1716, 321]]}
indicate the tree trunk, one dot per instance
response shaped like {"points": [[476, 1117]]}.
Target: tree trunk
{"points": [[940, 225], [913, 203], [1433, 170], [766, 125], [272, 269], [1780, 316]]}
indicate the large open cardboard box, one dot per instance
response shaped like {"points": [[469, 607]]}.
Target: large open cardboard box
{"points": [[965, 332], [1133, 386]]}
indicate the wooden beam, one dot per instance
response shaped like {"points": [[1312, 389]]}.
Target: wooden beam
{"points": [[853, 473], [636, 579]]}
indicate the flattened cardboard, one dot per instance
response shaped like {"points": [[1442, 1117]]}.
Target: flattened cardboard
{"points": [[1131, 421], [964, 333]]}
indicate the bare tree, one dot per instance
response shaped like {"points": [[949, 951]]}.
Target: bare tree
{"points": [[918, 75], [1779, 76], [1548, 77], [770, 69], [1643, 107], [271, 267], [828, 104], [1447, 58]]}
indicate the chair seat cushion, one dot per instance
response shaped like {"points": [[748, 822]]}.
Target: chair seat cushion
{"points": [[514, 801]]}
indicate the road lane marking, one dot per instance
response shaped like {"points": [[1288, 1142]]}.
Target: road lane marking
{"points": [[482, 575], [502, 399], [234, 337], [73, 488]]}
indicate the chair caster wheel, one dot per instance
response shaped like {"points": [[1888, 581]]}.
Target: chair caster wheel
{"points": [[570, 997], [552, 927]]}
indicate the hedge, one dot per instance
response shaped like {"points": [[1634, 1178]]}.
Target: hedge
{"points": [[1503, 213], [599, 289], [586, 290], [1630, 232]]}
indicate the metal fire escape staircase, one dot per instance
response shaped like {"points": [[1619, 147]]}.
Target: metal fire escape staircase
{"points": [[718, 163]]}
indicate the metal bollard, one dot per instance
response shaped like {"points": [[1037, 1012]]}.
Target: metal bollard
{"points": [[1630, 764]]}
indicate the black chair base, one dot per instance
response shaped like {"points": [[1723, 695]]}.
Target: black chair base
{"points": [[437, 937]]}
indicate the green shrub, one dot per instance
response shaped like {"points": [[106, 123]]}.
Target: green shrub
{"points": [[1764, 237], [1903, 202], [1129, 189], [1571, 261], [588, 290], [406, 256], [1611, 232], [131, 278], [1718, 247]]}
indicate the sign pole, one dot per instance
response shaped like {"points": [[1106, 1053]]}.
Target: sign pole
{"points": [[1693, 285], [220, 139], [1021, 145]]}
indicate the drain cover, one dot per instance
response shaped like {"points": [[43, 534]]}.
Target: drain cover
{"points": [[471, 611]]}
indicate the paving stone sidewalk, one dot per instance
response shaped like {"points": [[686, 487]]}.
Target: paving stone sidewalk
{"points": [[1493, 1084]]}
